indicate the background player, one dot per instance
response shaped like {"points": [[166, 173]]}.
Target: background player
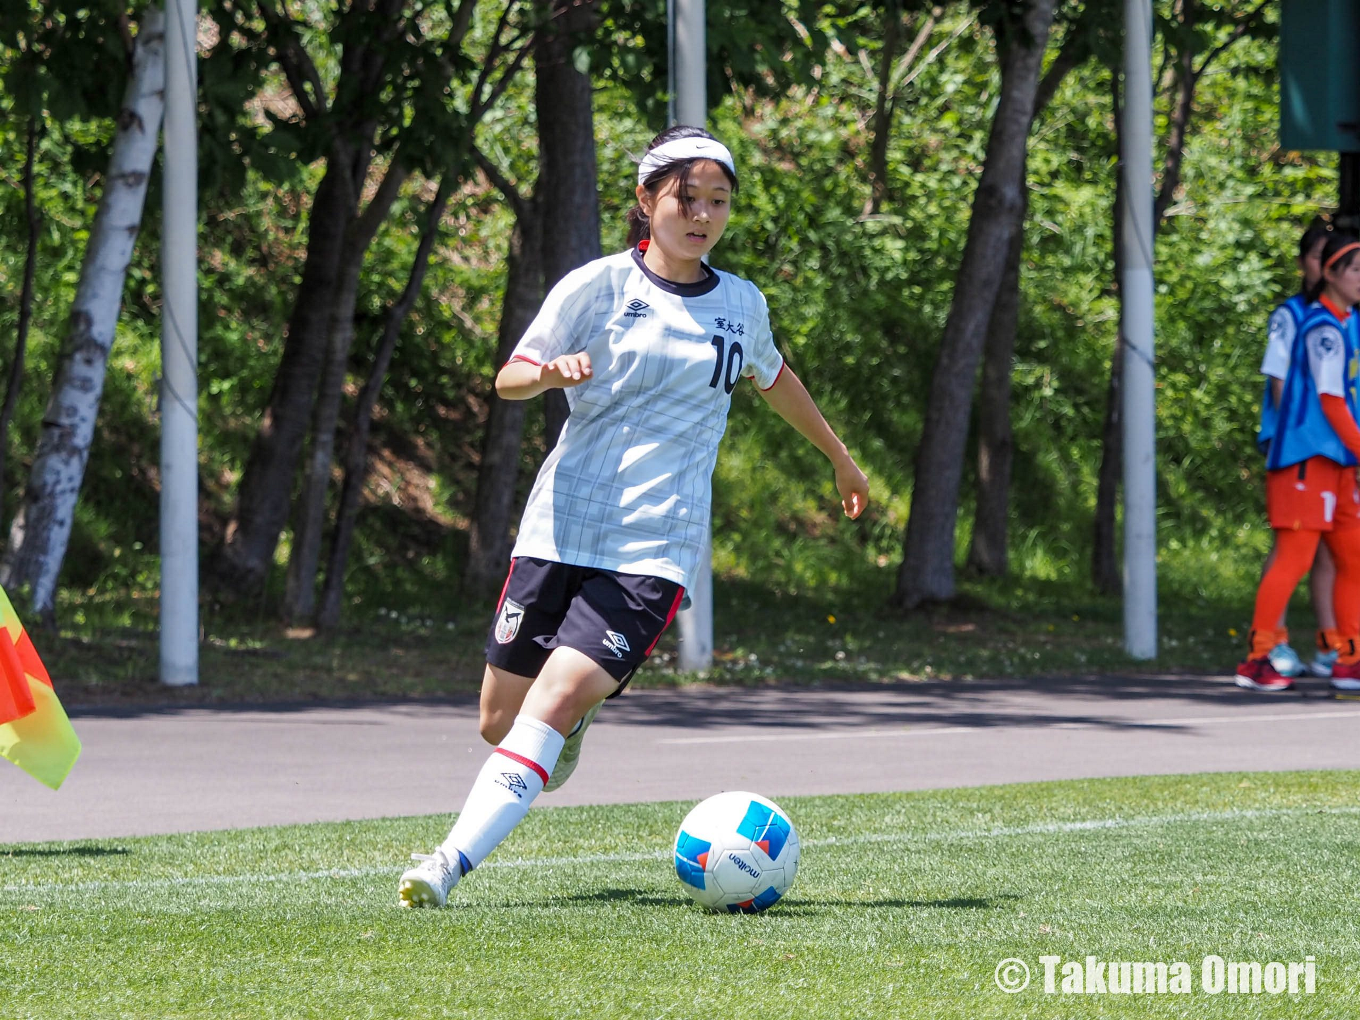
{"points": [[1284, 323], [1311, 491], [649, 345]]}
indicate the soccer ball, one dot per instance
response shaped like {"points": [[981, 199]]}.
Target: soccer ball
{"points": [[736, 852]]}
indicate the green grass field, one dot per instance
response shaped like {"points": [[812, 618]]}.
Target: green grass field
{"points": [[903, 907]]}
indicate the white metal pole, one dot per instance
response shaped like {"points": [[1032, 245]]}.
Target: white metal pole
{"points": [[1140, 411], [690, 106], [179, 352], [691, 103]]}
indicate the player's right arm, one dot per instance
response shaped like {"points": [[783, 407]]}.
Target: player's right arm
{"points": [[1279, 350], [551, 353], [521, 379]]}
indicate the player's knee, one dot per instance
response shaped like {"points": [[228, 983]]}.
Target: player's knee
{"points": [[495, 726]]}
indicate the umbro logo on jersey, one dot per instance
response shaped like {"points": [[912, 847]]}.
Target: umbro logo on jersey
{"points": [[635, 309], [616, 643]]}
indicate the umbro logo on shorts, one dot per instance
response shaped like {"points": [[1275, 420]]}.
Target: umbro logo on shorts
{"points": [[635, 309], [616, 643]]}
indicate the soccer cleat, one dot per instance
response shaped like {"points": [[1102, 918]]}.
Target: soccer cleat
{"points": [[428, 884], [1285, 660], [1260, 675], [571, 752], [1346, 676]]}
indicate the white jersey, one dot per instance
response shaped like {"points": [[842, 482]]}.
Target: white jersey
{"points": [[1284, 327], [1327, 358], [629, 484]]}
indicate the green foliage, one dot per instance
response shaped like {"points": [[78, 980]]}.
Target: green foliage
{"points": [[857, 302]]}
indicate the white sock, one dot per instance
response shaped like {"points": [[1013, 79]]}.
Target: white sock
{"points": [[508, 783]]}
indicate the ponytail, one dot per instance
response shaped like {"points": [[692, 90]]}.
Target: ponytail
{"points": [[639, 226]]}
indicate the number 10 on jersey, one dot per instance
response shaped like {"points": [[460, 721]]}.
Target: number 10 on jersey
{"points": [[733, 358]]}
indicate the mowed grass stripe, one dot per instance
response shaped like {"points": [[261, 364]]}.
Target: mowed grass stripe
{"points": [[902, 909], [587, 860]]}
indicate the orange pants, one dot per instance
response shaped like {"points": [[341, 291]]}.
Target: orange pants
{"points": [[1311, 502]]}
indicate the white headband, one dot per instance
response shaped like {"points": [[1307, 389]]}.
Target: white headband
{"points": [[684, 148]]}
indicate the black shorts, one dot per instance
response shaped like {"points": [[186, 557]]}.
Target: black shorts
{"points": [[615, 619]]}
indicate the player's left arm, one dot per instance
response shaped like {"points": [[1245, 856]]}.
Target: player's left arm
{"points": [[790, 398]]}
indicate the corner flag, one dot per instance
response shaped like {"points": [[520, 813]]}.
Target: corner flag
{"points": [[34, 731]]}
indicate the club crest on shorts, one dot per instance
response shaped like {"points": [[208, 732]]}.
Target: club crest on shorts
{"points": [[508, 621], [616, 643]]}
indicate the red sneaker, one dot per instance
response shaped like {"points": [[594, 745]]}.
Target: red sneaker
{"points": [[1346, 676], [1260, 675]]}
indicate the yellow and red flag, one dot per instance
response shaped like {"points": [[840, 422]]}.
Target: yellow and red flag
{"points": [[34, 731]]}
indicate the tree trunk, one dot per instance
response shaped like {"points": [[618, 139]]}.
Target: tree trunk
{"points": [[16, 369], [927, 572], [1186, 80], [266, 486], [555, 232], [567, 179], [881, 128], [1105, 572], [498, 474], [988, 553], [356, 453], [42, 528], [241, 564], [300, 593]]}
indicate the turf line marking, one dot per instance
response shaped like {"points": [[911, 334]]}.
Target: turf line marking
{"points": [[1001, 832], [930, 731]]}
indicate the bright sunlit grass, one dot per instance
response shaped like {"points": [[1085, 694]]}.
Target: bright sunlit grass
{"points": [[903, 907]]}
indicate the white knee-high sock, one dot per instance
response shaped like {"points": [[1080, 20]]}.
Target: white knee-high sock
{"points": [[508, 783]]}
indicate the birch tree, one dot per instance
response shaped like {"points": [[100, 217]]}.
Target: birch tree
{"points": [[41, 530]]}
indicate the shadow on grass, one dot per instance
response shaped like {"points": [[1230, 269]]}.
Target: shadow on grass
{"points": [[792, 905], [68, 851], [797, 906], [636, 896]]}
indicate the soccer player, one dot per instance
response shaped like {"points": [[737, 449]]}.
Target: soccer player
{"points": [[1284, 323], [1311, 491], [648, 345]]}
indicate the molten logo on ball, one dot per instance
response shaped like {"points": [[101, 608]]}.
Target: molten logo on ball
{"points": [[737, 852]]}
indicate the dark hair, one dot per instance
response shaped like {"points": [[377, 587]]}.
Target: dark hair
{"points": [[638, 226], [1335, 242], [1318, 230]]}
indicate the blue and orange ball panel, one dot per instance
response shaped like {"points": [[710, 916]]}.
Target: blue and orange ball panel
{"points": [[691, 856]]}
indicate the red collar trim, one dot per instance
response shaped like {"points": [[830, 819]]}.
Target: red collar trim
{"points": [[1341, 316]]}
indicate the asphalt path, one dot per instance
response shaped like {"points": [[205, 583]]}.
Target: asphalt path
{"points": [[181, 770]]}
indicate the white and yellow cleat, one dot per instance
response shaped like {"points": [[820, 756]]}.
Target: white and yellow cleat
{"points": [[570, 754], [429, 883]]}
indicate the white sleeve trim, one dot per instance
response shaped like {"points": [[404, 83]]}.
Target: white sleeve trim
{"points": [[1280, 344], [1327, 359]]}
